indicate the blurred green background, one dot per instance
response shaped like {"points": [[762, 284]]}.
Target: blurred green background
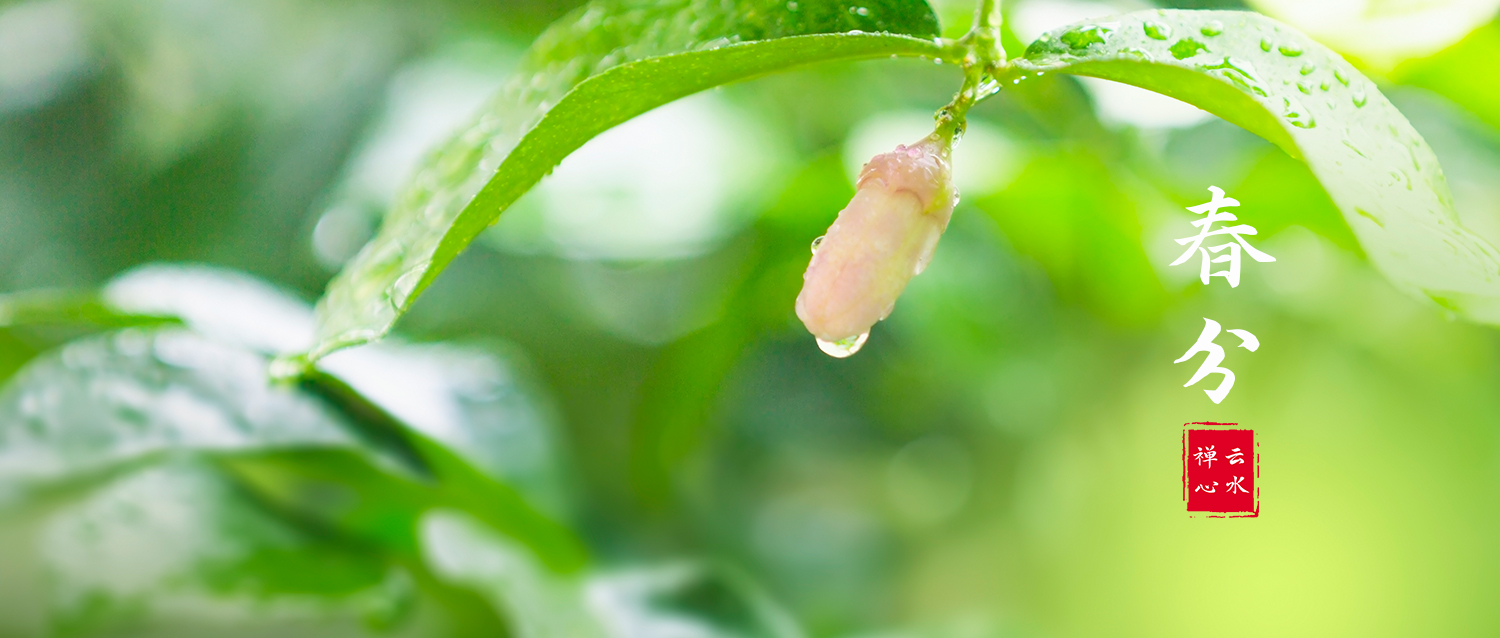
{"points": [[1002, 458]]}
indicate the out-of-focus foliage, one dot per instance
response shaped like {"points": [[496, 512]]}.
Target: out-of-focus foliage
{"points": [[605, 420]]}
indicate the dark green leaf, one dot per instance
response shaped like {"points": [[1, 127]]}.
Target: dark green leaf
{"points": [[606, 63], [1283, 86]]}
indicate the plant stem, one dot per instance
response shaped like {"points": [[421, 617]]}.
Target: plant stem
{"points": [[982, 60]]}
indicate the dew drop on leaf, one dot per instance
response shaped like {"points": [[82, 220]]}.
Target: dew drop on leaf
{"points": [[1290, 50], [1297, 114], [1338, 74], [1156, 30], [1241, 73], [1083, 37], [1212, 28], [401, 291], [1187, 48], [1307, 69], [1265, 45], [1359, 97]]}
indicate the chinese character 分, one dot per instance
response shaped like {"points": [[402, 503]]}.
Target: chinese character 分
{"points": [[1205, 456], [1215, 356], [1206, 229]]}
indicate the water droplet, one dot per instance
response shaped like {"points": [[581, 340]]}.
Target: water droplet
{"points": [[1366, 214], [1402, 178], [817, 242], [400, 292], [1084, 37], [1187, 48], [1138, 53], [1241, 73], [1359, 96], [1323, 86], [1290, 49], [1265, 45], [937, 61], [1156, 30], [791, 6], [843, 347], [1307, 69], [1340, 76], [1305, 87], [1212, 28], [862, 11], [1297, 114]]}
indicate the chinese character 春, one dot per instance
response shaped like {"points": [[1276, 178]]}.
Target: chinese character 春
{"points": [[1234, 456], [1204, 488], [1235, 485], [1206, 229], [1205, 456], [1215, 356]]}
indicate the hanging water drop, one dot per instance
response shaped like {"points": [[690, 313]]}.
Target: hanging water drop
{"points": [[843, 347], [817, 242]]}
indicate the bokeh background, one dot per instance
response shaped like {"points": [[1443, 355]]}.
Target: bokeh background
{"points": [[1002, 458]]}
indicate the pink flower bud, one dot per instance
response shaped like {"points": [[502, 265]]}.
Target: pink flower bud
{"points": [[878, 243]]}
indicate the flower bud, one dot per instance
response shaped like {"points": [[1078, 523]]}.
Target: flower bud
{"points": [[878, 243]]}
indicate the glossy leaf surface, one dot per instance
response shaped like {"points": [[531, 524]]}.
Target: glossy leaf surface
{"points": [[114, 399], [180, 546], [1281, 85], [602, 65]]}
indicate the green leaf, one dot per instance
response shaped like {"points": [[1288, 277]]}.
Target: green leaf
{"points": [[177, 546], [684, 598], [1281, 85], [604, 64], [69, 307], [467, 397], [103, 402]]}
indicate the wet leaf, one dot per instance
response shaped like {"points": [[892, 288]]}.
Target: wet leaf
{"points": [[1283, 86], [687, 599], [604, 64], [179, 546], [105, 401]]}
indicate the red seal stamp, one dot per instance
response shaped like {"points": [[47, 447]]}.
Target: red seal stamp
{"points": [[1220, 471]]}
